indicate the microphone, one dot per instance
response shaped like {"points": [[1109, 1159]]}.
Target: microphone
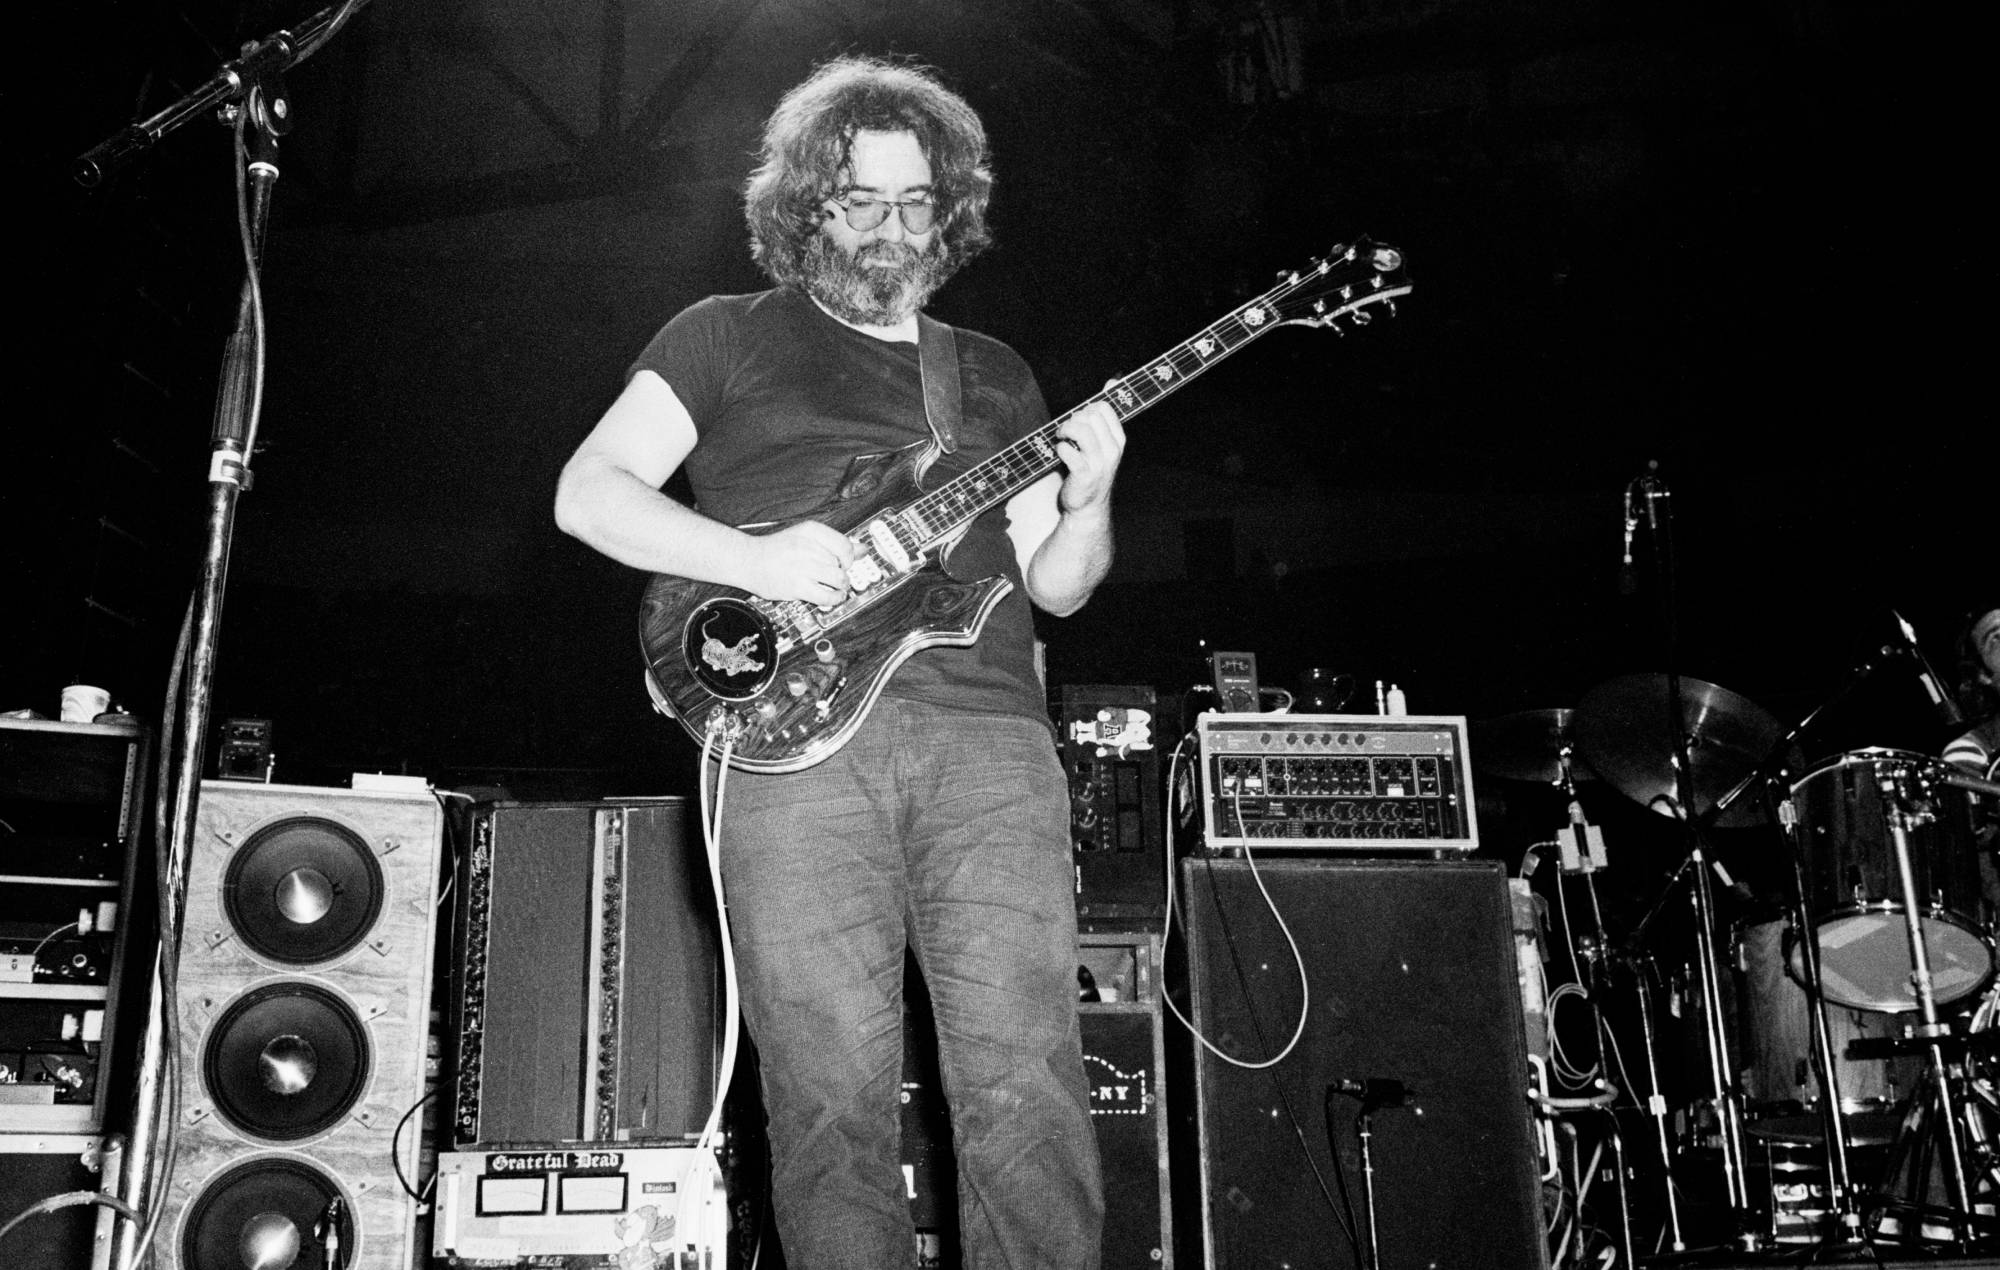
{"points": [[1947, 709], [1627, 581]]}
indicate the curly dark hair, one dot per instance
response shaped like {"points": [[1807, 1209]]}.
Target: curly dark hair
{"points": [[808, 145], [1977, 699]]}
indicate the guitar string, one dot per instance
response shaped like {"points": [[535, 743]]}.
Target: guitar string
{"points": [[1185, 360], [912, 526]]}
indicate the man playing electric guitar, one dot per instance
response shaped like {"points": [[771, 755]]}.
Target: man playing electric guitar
{"points": [[941, 822]]}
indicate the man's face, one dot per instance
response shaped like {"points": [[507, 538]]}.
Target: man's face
{"points": [[1986, 642], [878, 276]]}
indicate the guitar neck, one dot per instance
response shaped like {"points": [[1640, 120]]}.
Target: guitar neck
{"points": [[943, 512]]}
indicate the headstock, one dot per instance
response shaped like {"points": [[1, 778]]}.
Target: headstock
{"points": [[1346, 283]]}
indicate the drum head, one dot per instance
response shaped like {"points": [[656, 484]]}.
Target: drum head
{"points": [[1864, 961]]}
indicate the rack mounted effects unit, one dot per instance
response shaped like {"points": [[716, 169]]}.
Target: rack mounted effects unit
{"points": [[1336, 783]]}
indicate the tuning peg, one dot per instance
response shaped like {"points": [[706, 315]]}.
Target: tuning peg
{"points": [[1363, 317]]}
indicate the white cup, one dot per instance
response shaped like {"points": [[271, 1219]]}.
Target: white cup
{"points": [[82, 703]]}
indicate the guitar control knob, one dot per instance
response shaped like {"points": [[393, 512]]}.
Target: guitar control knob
{"points": [[767, 709], [795, 683], [823, 649]]}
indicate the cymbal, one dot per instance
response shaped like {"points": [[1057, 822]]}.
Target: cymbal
{"points": [[1527, 746], [1623, 728]]}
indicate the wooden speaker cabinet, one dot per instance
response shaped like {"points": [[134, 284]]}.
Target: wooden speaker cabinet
{"points": [[304, 998]]}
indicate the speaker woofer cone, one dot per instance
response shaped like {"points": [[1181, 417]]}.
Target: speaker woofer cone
{"points": [[255, 1211], [303, 889], [286, 1061]]}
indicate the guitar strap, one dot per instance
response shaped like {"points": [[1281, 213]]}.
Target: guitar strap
{"points": [[937, 363]]}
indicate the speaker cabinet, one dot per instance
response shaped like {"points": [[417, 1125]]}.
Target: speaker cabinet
{"points": [[586, 1000], [304, 996], [1409, 976], [1124, 1061]]}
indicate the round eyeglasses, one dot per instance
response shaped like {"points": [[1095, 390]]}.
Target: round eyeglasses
{"points": [[864, 213]]}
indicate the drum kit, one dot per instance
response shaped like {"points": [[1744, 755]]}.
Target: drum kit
{"points": [[1839, 1058]]}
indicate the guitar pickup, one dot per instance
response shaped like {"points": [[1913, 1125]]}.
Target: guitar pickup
{"points": [[865, 572], [883, 539]]}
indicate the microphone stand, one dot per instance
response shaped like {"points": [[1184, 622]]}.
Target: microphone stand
{"points": [[251, 96], [1726, 1092], [1372, 1094], [1364, 1131]]}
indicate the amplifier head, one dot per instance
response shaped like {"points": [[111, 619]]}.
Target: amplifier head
{"points": [[1361, 784]]}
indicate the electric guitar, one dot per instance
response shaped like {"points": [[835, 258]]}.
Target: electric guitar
{"points": [[783, 684]]}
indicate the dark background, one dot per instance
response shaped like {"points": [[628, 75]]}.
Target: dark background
{"points": [[1741, 240]]}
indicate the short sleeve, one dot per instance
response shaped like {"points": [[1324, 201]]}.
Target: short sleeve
{"points": [[691, 353]]}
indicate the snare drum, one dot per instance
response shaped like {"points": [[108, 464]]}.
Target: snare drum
{"points": [[1845, 809]]}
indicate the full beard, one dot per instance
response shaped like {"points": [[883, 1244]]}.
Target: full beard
{"points": [[879, 284]]}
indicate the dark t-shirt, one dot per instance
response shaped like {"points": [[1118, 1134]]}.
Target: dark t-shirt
{"points": [[784, 397]]}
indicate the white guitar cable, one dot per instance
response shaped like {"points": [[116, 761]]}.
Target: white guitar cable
{"points": [[702, 1176], [1298, 959]]}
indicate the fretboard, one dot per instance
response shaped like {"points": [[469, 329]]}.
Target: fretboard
{"points": [[942, 512]]}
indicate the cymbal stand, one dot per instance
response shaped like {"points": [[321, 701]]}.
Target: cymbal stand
{"points": [[1656, 1102], [1845, 1203], [1725, 1089], [1581, 848], [1904, 813]]}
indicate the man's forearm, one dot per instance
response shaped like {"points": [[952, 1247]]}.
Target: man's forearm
{"points": [[1072, 560]]}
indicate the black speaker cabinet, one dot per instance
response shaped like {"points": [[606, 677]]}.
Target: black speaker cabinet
{"points": [[304, 996], [1124, 1058], [1409, 976], [586, 999]]}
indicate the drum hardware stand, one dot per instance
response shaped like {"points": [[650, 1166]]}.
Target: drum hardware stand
{"points": [[1724, 1086], [1903, 815], [1840, 1184], [1913, 1155], [1581, 848], [1843, 1197], [1656, 1102]]}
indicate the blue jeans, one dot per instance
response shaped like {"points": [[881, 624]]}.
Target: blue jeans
{"points": [[949, 833]]}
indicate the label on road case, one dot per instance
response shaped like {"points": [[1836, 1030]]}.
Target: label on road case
{"points": [[581, 1206]]}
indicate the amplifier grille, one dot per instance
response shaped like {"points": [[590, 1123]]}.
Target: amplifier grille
{"points": [[586, 989]]}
